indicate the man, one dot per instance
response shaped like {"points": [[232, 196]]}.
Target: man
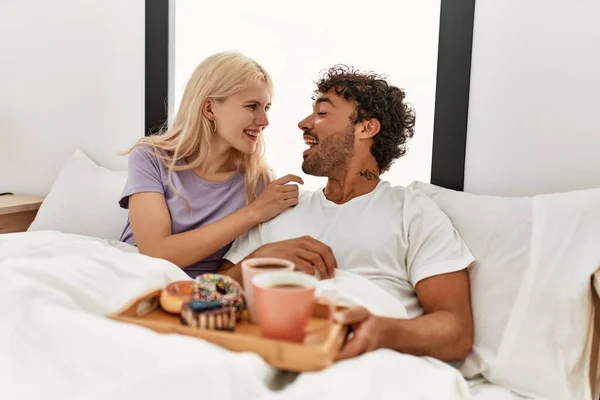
{"points": [[396, 238]]}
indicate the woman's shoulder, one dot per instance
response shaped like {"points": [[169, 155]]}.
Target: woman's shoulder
{"points": [[145, 155], [143, 151]]}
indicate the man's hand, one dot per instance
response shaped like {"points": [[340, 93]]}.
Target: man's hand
{"points": [[368, 331], [306, 253], [444, 331]]}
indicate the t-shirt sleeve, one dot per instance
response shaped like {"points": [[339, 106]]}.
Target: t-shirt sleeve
{"points": [[144, 175], [244, 245], [434, 245], [274, 174]]}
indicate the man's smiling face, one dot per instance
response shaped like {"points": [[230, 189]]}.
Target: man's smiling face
{"points": [[329, 133]]}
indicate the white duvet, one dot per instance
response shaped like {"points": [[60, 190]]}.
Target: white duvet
{"points": [[56, 343]]}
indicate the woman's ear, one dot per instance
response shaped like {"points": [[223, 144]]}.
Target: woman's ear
{"points": [[370, 128], [207, 109]]}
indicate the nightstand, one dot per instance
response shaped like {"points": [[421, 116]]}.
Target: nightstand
{"points": [[17, 212]]}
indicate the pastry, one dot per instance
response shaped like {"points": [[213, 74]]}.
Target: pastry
{"points": [[208, 315]]}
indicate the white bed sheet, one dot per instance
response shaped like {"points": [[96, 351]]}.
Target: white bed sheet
{"points": [[56, 343]]}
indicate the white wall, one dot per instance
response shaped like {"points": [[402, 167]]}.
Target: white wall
{"points": [[71, 76], [534, 114], [294, 45]]}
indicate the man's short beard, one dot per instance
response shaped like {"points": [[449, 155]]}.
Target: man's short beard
{"points": [[333, 154]]}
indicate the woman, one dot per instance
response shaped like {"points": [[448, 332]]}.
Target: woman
{"points": [[199, 185]]}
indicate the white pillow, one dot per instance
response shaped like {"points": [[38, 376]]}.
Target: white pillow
{"points": [[497, 230], [84, 200], [530, 286]]}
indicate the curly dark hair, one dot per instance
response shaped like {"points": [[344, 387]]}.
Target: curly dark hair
{"points": [[374, 97]]}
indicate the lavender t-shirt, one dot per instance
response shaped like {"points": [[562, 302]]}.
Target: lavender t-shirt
{"points": [[209, 201]]}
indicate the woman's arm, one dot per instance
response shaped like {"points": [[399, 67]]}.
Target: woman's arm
{"points": [[151, 224]]}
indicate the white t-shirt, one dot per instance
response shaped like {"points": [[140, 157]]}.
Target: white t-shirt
{"points": [[391, 236]]}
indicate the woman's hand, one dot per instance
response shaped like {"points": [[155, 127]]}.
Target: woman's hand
{"points": [[277, 196]]}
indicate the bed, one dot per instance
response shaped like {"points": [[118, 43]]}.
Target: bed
{"points": [[532, 294]]}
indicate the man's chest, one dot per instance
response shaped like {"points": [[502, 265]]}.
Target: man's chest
{"points": [[357, 237]]}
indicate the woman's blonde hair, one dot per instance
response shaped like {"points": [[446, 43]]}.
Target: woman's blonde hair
{"points": [[186, 145]]}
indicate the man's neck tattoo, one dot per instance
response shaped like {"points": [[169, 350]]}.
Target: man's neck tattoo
{"points": [[369, 175]]}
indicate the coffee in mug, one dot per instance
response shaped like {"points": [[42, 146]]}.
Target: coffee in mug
{"points": [[287, 286]]}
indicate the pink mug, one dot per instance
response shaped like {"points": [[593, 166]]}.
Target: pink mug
{"points": [[255, 266], [284, 303]]}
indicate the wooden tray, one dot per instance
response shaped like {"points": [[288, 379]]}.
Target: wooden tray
{"points": [[317, 352]]}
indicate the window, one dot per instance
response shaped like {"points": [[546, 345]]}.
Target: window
{"points": [[404, 40]]}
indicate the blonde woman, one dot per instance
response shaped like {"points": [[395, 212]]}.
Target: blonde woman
{"points": [[199, 185]]}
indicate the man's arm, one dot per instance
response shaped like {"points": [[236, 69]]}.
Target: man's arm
{"points": [[445, 331], [307, 254]]}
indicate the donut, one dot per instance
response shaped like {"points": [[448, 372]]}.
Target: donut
{"points": [[208, 315], [175, 295], [221, 288]]}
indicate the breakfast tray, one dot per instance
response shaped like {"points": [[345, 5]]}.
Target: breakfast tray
{"points": [[317, 352]]}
